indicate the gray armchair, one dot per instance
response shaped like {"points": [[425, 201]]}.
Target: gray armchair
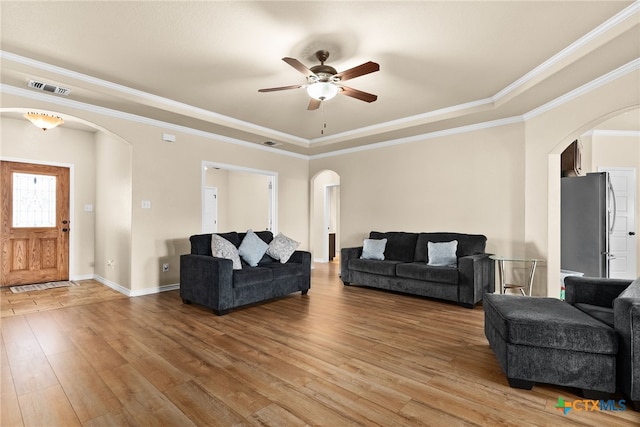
{"points": [[615, 302]]}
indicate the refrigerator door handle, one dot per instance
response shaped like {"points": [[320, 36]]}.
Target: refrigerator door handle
{"points": [[615, 208]]}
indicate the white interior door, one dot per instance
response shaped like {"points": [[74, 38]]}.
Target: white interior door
{"points": [[623, 241], [210, 210]]}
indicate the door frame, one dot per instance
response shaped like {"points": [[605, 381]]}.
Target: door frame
{"points": [[328, 207], [72, 211], [273, 190], [634, 214]]}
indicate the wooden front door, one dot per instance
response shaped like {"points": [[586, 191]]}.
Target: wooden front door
{"points": [[34, 221]]}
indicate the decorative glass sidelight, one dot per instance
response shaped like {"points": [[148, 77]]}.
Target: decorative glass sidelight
{"points": [[34, 200]]}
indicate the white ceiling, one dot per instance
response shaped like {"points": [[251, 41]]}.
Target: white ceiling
{"points": [[443, 64]]}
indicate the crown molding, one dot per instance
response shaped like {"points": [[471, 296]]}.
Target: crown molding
{"points": [[154, 100], [588, 87], [613, 133], [607, 29], [423, 137], [30, 94]]}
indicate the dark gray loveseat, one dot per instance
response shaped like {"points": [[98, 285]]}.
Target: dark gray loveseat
{"points": [[213, 283], [405, 268]]}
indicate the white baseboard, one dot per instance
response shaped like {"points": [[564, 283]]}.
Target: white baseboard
{"points": [[129, 292]]}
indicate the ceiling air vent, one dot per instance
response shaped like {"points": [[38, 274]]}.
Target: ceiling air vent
{"points": [[271, 143], [49, 88]]}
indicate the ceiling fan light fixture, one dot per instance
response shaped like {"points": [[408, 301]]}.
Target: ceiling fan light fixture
{"points": [[322, 91], [44, 121]]}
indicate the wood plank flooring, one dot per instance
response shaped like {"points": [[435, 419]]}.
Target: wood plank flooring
{"points": [[340, 356]]}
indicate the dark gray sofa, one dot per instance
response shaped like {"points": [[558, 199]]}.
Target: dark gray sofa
{"points": [[213, 283], [405, 268], [590, 341]]}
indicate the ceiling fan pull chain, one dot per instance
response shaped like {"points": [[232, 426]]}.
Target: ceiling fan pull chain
{"points": [[324, 119]]}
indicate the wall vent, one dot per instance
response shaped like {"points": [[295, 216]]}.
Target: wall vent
{"points": [[49, 88]]}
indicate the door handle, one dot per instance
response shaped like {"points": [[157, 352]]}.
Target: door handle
{"points": [[632, 233]]}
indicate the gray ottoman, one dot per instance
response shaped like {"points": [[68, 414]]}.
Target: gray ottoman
{"points": [[546, 340]]}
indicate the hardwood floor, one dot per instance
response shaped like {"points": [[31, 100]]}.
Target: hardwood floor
{"points": [[89, 292], [339, 356]]}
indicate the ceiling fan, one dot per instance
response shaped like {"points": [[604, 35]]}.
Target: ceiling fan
{"points": [[324, 82]]}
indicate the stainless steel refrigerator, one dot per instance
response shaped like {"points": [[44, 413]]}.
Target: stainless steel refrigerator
{"points": [[587, 219]]}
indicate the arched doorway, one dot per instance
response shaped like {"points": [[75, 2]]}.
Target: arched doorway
{"points": [[325, 216], [554, 194]]}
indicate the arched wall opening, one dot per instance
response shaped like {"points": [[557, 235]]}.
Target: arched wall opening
{"points": [[100, 189], [324, 227], [554, 196]]}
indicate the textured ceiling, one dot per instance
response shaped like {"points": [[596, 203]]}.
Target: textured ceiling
{"points": [[443, 64]]}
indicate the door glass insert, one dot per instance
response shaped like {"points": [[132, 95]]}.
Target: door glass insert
{"points": [[34, 200]]}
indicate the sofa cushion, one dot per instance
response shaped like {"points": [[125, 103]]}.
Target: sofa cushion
{"points": [[548, 323], [400, 245], [252, 276], [385, 268], [603, 314], [422, 271], [443, 254], [281, 271], [252, 248], [222, 248], [373, 249], [266, 259], [468, 244]]}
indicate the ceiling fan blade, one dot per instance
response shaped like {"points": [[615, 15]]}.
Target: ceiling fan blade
{"points": [[314, 104], [360, 70], [299, 66], [273, 89], [358, 94]]}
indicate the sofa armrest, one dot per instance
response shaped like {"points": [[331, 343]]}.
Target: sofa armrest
{"points": [[627, 324], [477, 277], [304, 258], [347, 254], [593, 290], [207, 280]]}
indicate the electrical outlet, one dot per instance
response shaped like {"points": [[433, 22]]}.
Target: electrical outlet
{"points": [[165, 267], [111, 263]]}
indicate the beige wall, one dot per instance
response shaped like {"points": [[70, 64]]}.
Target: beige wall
{"points": [[501, 181], [470, 182], [167, 174], [20, 140], [113, 210]]}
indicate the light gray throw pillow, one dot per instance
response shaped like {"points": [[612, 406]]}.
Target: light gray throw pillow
{"points": [[373, 249], [252, 248], [443, 254], [222, 248], [282, 247]]}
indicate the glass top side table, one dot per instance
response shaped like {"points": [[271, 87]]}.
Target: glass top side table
{"points": [[533, 262]]}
